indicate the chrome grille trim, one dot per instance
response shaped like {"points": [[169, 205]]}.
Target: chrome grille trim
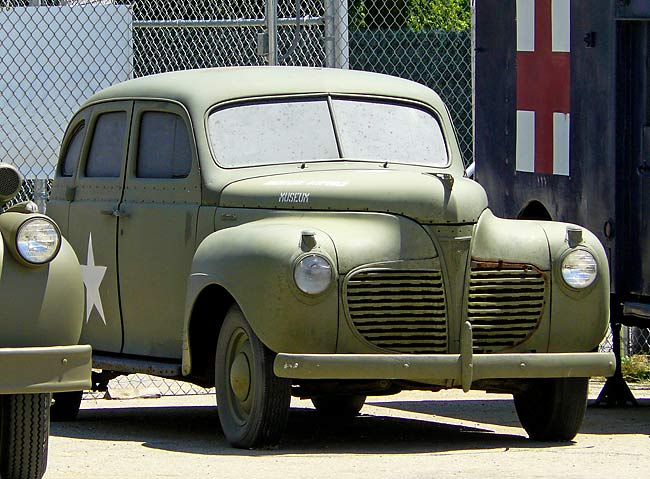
{"points": [[505, 305], [399, 310]]}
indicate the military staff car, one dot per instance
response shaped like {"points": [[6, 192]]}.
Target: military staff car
{"points": [[311, 232], [41, 313]]}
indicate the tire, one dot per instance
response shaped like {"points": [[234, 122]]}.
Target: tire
{"points": [[552, 409], [343, 406], [253, 403], [24, 435], [65, 406]]}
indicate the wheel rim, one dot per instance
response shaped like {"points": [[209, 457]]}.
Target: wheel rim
{"points": [[239, 381]]}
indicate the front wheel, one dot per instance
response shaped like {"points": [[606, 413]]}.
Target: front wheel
{"points": [[253, 403], [552, 409], [24, 435]]}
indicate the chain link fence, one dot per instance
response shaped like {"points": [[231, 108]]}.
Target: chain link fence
{"points": [[56, 53], [633, 341]]}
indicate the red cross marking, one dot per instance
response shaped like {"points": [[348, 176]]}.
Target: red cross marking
{"points": [[543, 85]]}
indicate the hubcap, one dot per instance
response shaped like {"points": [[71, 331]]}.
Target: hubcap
{"points": [[240, 376]]}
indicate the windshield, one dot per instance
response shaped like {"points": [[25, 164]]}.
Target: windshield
{"points": [[317, 129]]}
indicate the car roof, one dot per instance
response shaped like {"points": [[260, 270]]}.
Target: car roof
{"points": [[205, 87]]}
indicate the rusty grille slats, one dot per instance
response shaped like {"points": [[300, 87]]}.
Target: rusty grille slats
{"points": [[407, 300], [500, 312], [397, 310], [393, 320], [390, 289], [504, 306], [500, 323], [389, 328]]}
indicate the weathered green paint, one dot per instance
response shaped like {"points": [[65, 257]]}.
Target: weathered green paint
{"points": [[426, 200], [238, 231]]}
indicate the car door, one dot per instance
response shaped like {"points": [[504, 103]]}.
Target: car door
{"points": [[157, 232], [64, 186], [94, 219]]}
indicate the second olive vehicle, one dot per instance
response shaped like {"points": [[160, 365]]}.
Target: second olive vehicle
{"points": [[312, 232], [41, 308]]}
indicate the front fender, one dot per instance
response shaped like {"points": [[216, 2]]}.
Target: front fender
{"points": [[41, 306], [510, 241], [254, 263], [574, 320], [579, 317]]}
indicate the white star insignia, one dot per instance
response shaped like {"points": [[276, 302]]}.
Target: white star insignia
{"points": [[92, 276]]}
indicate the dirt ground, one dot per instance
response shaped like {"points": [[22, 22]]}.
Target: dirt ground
{"points": [[410, 435]]}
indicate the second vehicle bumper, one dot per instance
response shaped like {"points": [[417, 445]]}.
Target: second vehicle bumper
{"points": [[45, 369]]}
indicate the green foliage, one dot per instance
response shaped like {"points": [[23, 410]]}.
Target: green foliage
{"points": [[357, 13], [636, 368], [439, 15], [415, 15]]}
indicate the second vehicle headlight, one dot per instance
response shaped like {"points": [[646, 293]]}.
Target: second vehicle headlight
{"points": [[313, 274], [579, 269], [38, 240]]}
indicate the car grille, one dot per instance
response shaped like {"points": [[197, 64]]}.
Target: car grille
{"points": [[504, 306], [399, 310]]}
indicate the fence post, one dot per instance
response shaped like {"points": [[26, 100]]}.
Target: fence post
{"points": [[272, 29], [337, 41], [40, 194]]}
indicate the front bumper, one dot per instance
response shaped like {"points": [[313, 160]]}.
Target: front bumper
{"points": [[461, 368], [45, 369]]}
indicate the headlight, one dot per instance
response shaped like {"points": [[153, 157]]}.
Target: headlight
{"points": [[38, 240], [313, 274], [579, 269]]}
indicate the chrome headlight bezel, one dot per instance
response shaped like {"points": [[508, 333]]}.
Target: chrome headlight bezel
{"points": [[320, 281], [38, 251], [579, 269]]}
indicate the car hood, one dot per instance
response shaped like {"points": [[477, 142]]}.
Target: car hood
{"points": [[428, 198]]}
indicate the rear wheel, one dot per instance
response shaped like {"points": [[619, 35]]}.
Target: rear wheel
{"points": [[24, 435], [65, 406], [253, 403], [343, 406], [552, 409]]}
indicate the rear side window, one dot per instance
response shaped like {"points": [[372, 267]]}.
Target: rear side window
{"points": [[107, 147], [71, 157], [163, 147]]}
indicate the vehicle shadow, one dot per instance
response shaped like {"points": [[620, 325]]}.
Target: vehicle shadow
{"points": [[196, 430], [493, 411], [501, 412]]}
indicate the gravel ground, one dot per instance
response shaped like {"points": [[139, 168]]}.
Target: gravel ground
{"points": [[410, 435]]}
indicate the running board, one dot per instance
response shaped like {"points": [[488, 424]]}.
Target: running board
{"points": [[131, 365]]}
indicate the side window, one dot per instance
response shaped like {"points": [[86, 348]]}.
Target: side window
{"points": [[71, 157], [107, 147], [163, 147]]}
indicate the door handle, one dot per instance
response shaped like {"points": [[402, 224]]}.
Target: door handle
{"points": [[116, 212]]}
